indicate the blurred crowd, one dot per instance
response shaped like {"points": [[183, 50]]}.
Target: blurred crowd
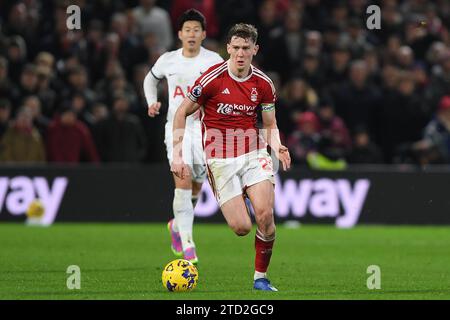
{"points": [[346, 94]]}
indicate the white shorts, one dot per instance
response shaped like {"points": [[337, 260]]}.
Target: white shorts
{"points": [[193, 154], [230, 177]]}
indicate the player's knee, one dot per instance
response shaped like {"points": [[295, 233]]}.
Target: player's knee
{"points": [[241, 229], [265, 218], [265, 214]]}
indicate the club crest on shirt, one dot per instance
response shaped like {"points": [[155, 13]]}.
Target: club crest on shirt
{"points": [[197, 91], [254, 95]]}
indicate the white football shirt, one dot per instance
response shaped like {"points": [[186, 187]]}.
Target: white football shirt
{"points": [[181, 73]]}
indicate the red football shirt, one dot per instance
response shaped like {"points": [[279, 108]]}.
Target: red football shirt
{"points": [[229, 106]]}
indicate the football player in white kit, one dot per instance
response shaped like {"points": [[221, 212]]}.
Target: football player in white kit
{"points": [[181, 68]]}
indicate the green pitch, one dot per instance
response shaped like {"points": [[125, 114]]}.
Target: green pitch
{"points": [[125, 261]]}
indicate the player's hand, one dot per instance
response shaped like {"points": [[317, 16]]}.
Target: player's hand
{"points": [[285, 158], [180, 169], [153, 109]]}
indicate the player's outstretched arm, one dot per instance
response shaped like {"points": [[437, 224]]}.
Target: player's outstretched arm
{"points": [[150, 91], [186, 108], [272, 136]]}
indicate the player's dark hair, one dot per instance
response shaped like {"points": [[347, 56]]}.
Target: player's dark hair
{"points": [[244, 31], [192, 15]]}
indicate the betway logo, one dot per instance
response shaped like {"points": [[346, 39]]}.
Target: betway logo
{"points": [[321, 198], [18, 192], [229, 108]]}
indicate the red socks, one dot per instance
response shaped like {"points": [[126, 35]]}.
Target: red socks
{"points": [[263, 248]]}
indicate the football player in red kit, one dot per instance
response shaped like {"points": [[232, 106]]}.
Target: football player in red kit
{"points": [[229, 95]]}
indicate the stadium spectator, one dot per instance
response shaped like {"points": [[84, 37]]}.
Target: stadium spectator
{"points": [[78, 83], [45, 59], [69, 140], [40, 121], [5, 114], [267, 21], [139, 73], [22, 141], [364, 151], [120, 137], [339, 14], [405, 58], [314, 15], [7, 87], [391, 20], [403, 116], [45, 92], [356, 38], [95, 44], [120, 86], [437, 132], [296, 97], [335, 141], [312, 72], [151, 18], [112, 70], [28, 84], [17, 57], [235, 11], [331, 38], [356, 101], [337, 70], [99, 112], [305, 139], [285, 47], [439, 83]]}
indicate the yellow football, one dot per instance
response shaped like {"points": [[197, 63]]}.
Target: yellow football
{"points": [[35, 209], [179, 275]]}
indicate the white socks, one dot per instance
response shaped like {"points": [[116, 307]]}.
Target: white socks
{"points": [[259, 275], [184, 216]]}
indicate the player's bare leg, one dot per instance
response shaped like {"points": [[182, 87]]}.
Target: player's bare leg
{"points": [[236, 215], [262, 198], [182, 224]]}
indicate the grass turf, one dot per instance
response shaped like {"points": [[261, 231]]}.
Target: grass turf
{"points": [[125, 261]]}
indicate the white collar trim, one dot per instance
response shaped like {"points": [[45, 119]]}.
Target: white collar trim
{"points": [[236, 78]]}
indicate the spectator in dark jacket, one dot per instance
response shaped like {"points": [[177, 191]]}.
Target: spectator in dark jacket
{"points": [[356, 100], [69, 140], [437, 132], [121, 137], [306, 138], [402, 116], [5, 114], [335, 142], [364, 151]]}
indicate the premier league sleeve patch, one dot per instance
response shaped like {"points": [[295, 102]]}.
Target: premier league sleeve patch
{"points": [[267, 107], [197, 91]]}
